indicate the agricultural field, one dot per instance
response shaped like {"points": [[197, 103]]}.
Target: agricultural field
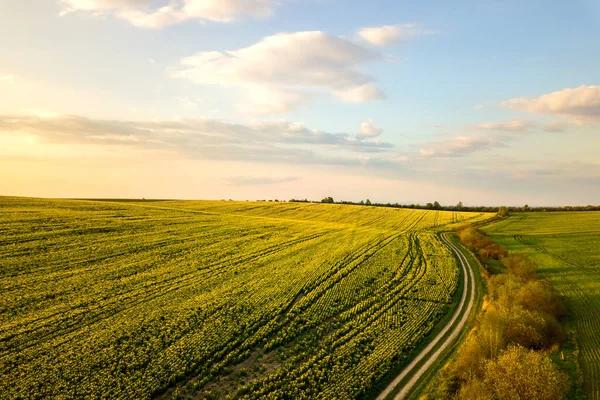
{"points": [[213, 299], [566, 245]]}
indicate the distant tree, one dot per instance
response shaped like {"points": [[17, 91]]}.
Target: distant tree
{"points": [[327, 200], [526, 207], [502, 212], [436, 205], [368, 202], [429, 206], [459, 205]]}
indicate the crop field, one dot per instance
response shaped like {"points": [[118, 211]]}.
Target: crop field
{"points": [[214, 299], [566, 245]]}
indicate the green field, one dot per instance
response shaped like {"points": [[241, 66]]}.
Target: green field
{"points": [[199, 299], [566, 245]]}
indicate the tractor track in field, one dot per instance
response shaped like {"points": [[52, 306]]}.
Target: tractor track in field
{"points": [[411, 374]]}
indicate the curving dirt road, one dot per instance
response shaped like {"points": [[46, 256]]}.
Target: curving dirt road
{"points": [[415, 370]]}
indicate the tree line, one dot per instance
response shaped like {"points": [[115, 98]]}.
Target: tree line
{"points": [[505, 356], [458, 207]]}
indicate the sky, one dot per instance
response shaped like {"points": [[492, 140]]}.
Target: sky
{"points": [[488, 102]]}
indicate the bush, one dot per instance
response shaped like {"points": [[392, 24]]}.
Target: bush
{"points": [[470, 360], [539, 296], [526, 313], [475, 389], [524, 374], [481, 245], [520, 265]]}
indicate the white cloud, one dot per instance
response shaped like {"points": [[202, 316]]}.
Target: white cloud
{"points": [[361, 94], [506, 126], [390, 34], [228, 10], [157, 14], [461, 145], [291, 66], [579, 104], [261, 100], [368, 130]]}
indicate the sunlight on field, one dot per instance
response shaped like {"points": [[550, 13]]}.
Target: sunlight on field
{"points": [[139, 299]]}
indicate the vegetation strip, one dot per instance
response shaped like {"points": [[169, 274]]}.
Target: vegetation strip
{"points": [[506, 355], [566, 247]]}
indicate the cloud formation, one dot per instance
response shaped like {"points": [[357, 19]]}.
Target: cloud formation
{"points": [[292, 146], [505, 126], [390, 34], [496, 136], [265, 141], [266, 100], [291, 67], [461, 146], [579, 104], [157, 14], [556, 126], [368, 130]]}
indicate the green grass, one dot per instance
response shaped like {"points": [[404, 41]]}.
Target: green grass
{"points": [[566, 245], [197, 299]]}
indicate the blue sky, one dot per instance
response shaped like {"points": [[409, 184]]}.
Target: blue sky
{"points": [[485, 102]]}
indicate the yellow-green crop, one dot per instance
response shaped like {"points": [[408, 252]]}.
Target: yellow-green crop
{"points": [[241, 299]]}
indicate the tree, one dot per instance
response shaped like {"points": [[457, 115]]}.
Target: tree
{"points": [[539, 296], [474, 389], [327, 200], [368, 202], [524, 327], [470, 360], [525, 374], [520, 265], [436, 205], [502, 212], [459, 206], [429, 206]]}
